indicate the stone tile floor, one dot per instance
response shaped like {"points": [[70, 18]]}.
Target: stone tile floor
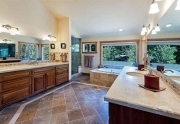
{"points": [[74, 104]]}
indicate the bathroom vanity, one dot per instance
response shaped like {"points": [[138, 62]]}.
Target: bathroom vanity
{"points": [[131, 104], [20, 81]]}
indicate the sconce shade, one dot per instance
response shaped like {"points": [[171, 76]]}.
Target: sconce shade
{"points": [[157, 28], [154, 32], [178, 5], [154, 8], [144, 29], [142, 33]]}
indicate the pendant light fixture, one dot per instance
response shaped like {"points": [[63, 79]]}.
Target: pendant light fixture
{"points": [[157, 28], [178, 5], [142, 33], [154, 31], [154, 8], [144, 29]]}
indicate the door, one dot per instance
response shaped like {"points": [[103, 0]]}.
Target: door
{"points": [[38, 83], [50, 79], [75, 54]]}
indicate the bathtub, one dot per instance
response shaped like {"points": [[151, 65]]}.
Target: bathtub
{"points": [[104, 76], [109, 70]]}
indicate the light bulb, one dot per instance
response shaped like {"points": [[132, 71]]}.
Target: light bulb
{"points": [[154, 32], [154, 8], [157, 28], [178, 5]]}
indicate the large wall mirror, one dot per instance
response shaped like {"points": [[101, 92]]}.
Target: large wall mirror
{"points": [[27, 48], [164, 46]]}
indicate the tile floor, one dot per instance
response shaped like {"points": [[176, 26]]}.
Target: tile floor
{"points": [[74, 104]]}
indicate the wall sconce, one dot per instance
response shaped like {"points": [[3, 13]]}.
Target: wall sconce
{"points": [[144, 29], [7, 41], [154, 8], [12, 30], [50, 38]]}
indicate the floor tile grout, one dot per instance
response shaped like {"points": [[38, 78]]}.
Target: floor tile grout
{"points": [[19, 111]]}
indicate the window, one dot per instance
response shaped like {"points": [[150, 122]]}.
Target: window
{"points": [[165, 53], [28, 51], [45, 52], [119, 54]]}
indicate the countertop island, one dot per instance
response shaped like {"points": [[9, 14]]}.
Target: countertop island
{"points": [[131, 98]]}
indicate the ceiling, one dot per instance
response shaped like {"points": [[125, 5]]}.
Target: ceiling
{"points": [[171, 16], [101, 17]]}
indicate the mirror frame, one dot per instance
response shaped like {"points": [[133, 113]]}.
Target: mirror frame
{"points": [[94, 52]]}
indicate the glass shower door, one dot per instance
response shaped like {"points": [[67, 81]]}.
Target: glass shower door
{"points": [[75, 54]]}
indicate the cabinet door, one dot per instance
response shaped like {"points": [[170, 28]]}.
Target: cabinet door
{"points": [[50, 79], [38, 83]]}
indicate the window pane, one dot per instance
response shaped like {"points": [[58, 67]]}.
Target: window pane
{"points": [[28, 51], [119, 55], [45, 53], [164, 53]]}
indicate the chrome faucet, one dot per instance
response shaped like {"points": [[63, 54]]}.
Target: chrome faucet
{"points": [[150, 71], [166, 71]]}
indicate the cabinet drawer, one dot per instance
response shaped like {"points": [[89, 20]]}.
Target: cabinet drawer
{"points": [[61, 67], [14, 84], [61, 79], [60, 72], [42, 70], [14, 75], [14, 96]]}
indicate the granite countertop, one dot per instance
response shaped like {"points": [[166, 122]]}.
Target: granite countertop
{"points": [[9, 60], [126, 92], [26, 66]]}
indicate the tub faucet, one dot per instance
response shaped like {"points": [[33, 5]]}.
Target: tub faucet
{"points": [[166, 71], [150, 71]]}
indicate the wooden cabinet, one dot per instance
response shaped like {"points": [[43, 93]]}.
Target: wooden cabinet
{"points": [[50, 79], [14, 86], [42, 79], [18, 85], [38, 83], [62, 74]]}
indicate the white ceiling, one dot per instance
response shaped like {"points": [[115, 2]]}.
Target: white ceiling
{"points": [[102, 17], [171, 16]]}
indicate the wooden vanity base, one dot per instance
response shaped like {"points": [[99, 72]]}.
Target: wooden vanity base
{"points": [[124, 115]]}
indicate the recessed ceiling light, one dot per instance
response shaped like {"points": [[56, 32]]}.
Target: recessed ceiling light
{"points": [[168, 25], [120, 29]]}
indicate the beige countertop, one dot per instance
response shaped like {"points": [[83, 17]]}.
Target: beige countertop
{"points": [[126, 92], [26, 66]]}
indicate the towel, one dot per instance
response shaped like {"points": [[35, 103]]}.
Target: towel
{"points": [[88, 61]]}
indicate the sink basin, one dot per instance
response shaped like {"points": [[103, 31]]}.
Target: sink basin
{"points": [[176, 78], [136, 74]]}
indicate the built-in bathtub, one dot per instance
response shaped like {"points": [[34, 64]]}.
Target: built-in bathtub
{"points": [[104, 76]]}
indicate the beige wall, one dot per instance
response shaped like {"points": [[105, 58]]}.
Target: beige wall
{"points": [[30, 16], [96, 59]]}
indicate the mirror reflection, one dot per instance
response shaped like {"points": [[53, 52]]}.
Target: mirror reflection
{"points": [[22, 48], [164, 45]]}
